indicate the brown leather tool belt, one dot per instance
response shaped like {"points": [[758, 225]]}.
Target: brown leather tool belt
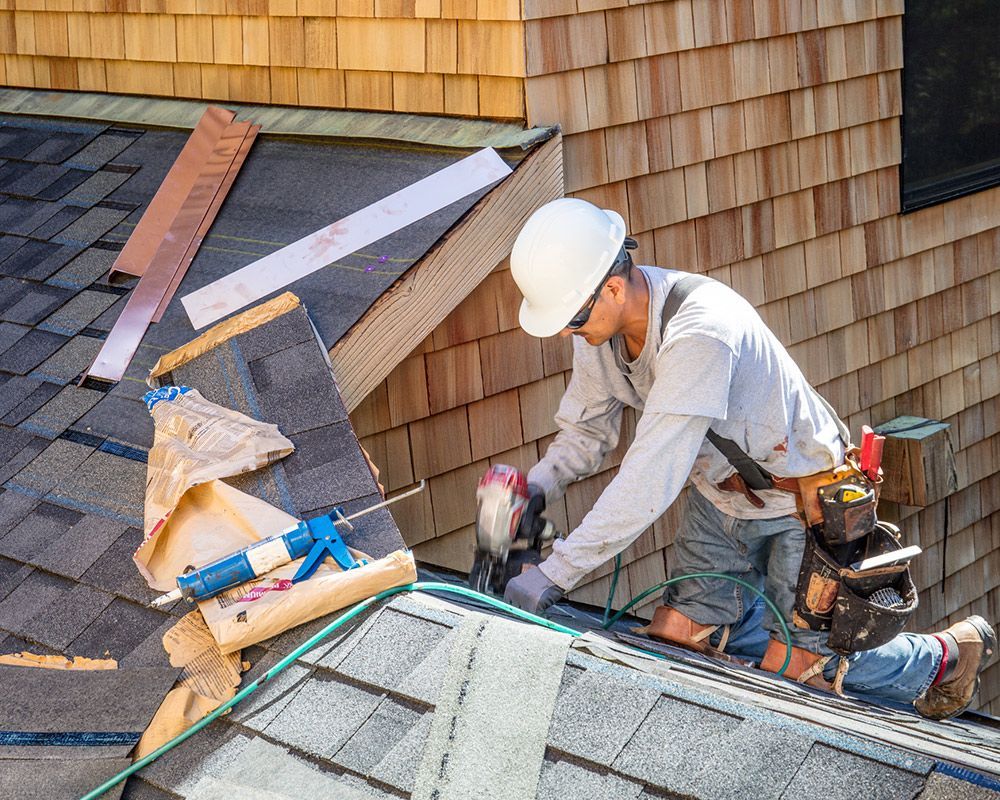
{"points": [[735, 483]]}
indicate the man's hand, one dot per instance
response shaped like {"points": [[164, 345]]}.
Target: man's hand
{"points": [[532, 523], [531, 591]]}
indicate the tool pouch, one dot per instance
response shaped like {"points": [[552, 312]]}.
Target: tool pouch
{"points": [[818, 585], [872, 606], [846, 521]]}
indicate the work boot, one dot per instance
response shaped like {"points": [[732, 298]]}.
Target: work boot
{"points": [[969, 645], [671, 626], [804, 667]]}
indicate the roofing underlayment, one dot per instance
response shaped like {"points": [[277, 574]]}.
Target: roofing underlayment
{"points": [[417, 698]]}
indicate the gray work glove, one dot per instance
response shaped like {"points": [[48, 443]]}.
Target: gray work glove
{"points": [[531, 591], [532, 523]]}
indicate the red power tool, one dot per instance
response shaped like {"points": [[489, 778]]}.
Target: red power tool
{"points": [[501, 553]]}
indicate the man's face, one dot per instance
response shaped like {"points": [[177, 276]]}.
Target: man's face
{"points": [[603, 321]]}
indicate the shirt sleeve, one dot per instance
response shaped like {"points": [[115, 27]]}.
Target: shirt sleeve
{"points": [[691, 389], [651, 476], [589, 421]]}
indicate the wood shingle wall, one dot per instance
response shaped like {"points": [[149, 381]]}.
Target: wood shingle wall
{"points": [[418, 56], [759, 143], [755, 140]]}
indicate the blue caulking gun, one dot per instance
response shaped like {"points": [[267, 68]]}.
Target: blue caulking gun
{"points": [[314, 538]]}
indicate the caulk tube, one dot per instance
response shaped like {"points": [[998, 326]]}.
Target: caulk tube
{"points": [[245, 565]]}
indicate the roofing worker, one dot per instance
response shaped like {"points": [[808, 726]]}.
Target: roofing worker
{"points": [[708, 367]]}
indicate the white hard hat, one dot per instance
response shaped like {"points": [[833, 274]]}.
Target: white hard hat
{"points": [[560, 256]]}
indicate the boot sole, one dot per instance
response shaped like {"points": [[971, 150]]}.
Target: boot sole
{"points": [[989, 637]]}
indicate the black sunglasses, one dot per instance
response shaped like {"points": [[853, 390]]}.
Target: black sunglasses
{"points": [[581, 317]]}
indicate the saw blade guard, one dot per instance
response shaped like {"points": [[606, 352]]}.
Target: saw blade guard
{"points": [[500, 500]]}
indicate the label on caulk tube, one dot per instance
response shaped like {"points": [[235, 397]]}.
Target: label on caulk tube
{"points": [[268, 554]]}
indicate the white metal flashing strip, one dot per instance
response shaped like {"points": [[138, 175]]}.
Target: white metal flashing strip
{"points": [[346, 236]]}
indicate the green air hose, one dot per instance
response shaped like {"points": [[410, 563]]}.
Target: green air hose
{"points": [[421, 586]]}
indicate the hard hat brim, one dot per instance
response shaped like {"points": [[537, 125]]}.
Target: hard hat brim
{"points": [[548, 321]]}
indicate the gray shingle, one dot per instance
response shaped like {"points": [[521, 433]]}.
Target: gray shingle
{"points": [[22, 216], [322, 716], [121, 419], [387, 727], [91, 226], [86, 268], [56, 463], [327, 467], [261, 707], [61, 144], [657, 755], [12, 442], [78, 312], [399, 765], [836, 775], [35, 179], [34, 347], [70, 179], [944, 787], [98, 186], [222, 377], [71, 360], [390, 650], [35, 304], [423, 683], [54, 778], [106, 483], [562, 779], [33, 400], [296, 390], [63, 217], [14, 507], [597, 716], [21, 459], [35, 591], [9, 244], [60, 622], [10, 334], [76, 550], [210, 752], [12, 574], [61, 411], [36, 531], [754, 760], [115, 572], [120, 628], [285, 331], [101, 150]]}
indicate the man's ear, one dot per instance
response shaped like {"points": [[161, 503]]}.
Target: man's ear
{"points": [[619, 288]]}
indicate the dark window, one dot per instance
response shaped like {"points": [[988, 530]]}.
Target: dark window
{"points": [[951, 99]]}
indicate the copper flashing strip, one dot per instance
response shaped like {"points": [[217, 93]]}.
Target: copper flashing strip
{"points": [[166, 203], [213, 210], [343, 237], [124, 339]]}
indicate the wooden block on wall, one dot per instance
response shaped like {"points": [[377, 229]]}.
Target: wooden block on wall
{"points": [[395, 45], [510, 359], [51, 34], [918, 461], [491, 48], [440, 443], [692, 136], [320, 42], [652, 75], [256, 46], [442, 45], [557, 99], [453, 497], [611, 94], [539, 402], [558, 44], [368, 90], [495, 424], [500, 97], [414, 93], [454, 377], [194, 39], [461, 95], [321, 87], [474, 318]]}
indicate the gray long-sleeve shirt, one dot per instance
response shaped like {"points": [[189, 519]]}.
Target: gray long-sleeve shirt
{"points": [[717, 365]]}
